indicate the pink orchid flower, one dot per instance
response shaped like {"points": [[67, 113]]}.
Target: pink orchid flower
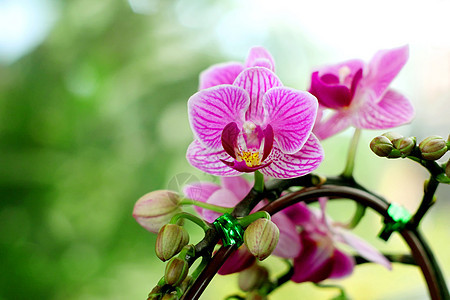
{"points": [[231, 191], [254, 124], [359, 94], [226, 73], [320, 258]]}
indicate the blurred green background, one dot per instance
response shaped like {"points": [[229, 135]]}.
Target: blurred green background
{"points": [[93, 115]]}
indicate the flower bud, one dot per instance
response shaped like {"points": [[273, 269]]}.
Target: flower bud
{"points": [[405, 145], [433, 147], [155, 294], [171, 296], [392, 136], [155, 209], [253, 278], [381, 146], [171, 239], [176, 271], [261, 238]]}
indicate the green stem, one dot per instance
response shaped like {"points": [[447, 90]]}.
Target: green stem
{"points": [[427, 200], [340, 288], [350, 165], [216, 208], [190, 217], [259, 182], [200, 267], [357, 217], [245, 221]]}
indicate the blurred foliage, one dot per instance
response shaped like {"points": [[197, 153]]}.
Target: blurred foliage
{"points": [[80, 140]]}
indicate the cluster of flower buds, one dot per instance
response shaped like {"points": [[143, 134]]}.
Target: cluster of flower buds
{"points": [[394, 145], [261, 238]]}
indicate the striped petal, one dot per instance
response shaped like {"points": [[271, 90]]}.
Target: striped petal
{"points": [[294, 165], [383, 68], [393, 110], [221, 197], [208, 160], [260, 57], [256, 81], [238, 185], [291, 114], [212, 109], [219, 74], [337, 122], [200, 191], [363, 248]]}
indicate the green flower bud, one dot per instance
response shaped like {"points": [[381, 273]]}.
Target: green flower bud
{"points": [[405, 145], [253, 278], [171, 239], [171, 296], [392, 136], [261, 238], [155, 209], [381, 146], [155, 294], [433, 147], [176, 271]]}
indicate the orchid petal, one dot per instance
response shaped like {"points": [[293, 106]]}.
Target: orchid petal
{"points": [[212, 109], [238, 185], [383, 68], [363, 248], [330, 95], [301, 215], [343, 264], [218, 74], [229, 138], [294, 165], [291, 114], [393, 110], [268, 141], [221, 197], [256, 81], [335, 123], [260, 57], [208, 160], [200, 191], [289, 244], [353, 66], [314, 262], [239, 260]]}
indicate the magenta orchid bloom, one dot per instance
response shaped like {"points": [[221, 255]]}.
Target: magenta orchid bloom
{"points": [[320, 258], [228, 194], [254, 124], [359, 94], [226, 73]]}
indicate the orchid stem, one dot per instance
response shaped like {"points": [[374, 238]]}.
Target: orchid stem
{"points": [[259, 182], [216, 208], [357, 217], [191, 218], [350, 165], [245, 221]]}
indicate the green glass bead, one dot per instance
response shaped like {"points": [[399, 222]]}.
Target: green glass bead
{"points": [[232, 233]]}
